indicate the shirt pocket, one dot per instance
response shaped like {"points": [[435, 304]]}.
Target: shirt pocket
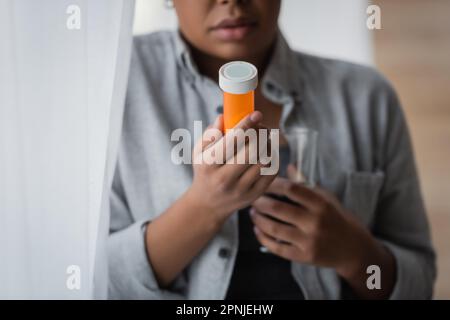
{"points": [[361, 194]]}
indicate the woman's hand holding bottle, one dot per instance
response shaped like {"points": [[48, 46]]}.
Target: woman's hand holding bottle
{"points": [[227, 184]]}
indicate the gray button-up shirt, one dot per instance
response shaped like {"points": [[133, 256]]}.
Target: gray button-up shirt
{"points": [[364, 157]]}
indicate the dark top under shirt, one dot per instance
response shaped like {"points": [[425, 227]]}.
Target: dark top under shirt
{"points": [[259, 275]]}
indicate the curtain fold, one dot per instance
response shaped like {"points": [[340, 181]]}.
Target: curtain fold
{"points": [[61, 101]]}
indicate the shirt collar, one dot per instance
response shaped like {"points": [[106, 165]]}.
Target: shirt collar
{"points": [[282, 77], [184, 57]]}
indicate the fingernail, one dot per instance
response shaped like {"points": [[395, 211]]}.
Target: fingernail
{"points": [[256, 117], [252, 212], [255, 229]]}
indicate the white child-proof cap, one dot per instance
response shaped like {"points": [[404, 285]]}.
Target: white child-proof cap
{"points": [[238, 77]]}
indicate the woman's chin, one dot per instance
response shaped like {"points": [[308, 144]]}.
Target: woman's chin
{"points": [[235, 51]]}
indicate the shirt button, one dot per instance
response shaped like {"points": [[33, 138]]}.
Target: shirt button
{"points": [[270, 86], [219, 109], [224, 253]]}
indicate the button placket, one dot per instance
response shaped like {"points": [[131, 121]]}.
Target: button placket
{"points": [[224, 253]]}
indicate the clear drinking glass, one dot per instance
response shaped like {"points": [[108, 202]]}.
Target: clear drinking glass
{"points": [[303, 154], [303, 150]]}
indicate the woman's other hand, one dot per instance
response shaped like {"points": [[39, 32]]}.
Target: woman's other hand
{"points": [[319, 231]]}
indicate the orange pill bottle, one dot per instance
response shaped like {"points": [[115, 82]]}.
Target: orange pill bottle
{"points": [[238, 81]]}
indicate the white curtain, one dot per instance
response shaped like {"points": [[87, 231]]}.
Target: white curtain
{"points": [[329, 28], [62, 87]]}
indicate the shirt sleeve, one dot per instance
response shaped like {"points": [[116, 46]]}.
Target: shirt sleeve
{"points": [[401, 223], [130, 272]]}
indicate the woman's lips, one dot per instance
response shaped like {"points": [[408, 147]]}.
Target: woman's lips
{"points": [[233, 29]]}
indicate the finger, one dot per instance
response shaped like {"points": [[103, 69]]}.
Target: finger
{"points": [[245, 158], [210, 135], [261, 183], [231, 142], [219, 122], [250, 121], [239, 165], [247, 155], [282, 211], [283, 250], [249, 177], [277, 230], [299, 193]]}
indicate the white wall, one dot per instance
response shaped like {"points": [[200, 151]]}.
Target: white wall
{"points": [[330, 28], [61, 100]]}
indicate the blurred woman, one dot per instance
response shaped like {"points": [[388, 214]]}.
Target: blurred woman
{"points": [[182, 231]]}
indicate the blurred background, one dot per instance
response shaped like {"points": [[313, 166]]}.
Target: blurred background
{"points": [[412, 49]]}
